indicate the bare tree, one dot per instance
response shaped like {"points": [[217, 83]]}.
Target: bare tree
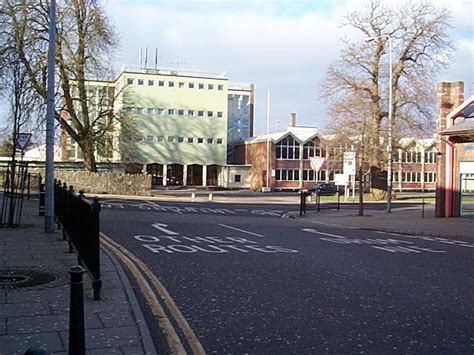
{"points": [[85, 45], [351, 137], [421, 47]]}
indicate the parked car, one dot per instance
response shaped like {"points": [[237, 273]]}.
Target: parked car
{"points": [[322, 188]]}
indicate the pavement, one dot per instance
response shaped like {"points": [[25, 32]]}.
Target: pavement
{"points": [[38, 315], [402, 220]]}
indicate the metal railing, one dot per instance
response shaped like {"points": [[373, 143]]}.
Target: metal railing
{"points": [[33, 184], [13, 192], [330, 206], [79, 220]]}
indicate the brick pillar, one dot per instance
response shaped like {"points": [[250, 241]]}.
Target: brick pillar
{"points": [[449, 95]]}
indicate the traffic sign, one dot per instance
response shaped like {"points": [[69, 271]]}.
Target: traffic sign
{"points": [[22, 140], [316, 163]]}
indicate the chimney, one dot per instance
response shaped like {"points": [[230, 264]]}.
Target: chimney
{"points": [[293, 119], [449, 96]]}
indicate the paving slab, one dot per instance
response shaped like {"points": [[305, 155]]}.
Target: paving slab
{"points": [[39, 315]]}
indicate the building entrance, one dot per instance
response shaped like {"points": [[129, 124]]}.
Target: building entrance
{"points": [[194, 177], [212, 173], [156, 172], [174, 174]]}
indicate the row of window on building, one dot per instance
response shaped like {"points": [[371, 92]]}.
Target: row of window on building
{"points": [[179, 139], [416, 157], [172, 84], [289, 149], [160, 111], [311, 175], [414, 176], [294, 175]]}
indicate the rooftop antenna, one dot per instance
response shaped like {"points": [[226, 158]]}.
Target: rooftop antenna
{"points": [[177, 63], [146, 57], [156, 58], [140, 57]]}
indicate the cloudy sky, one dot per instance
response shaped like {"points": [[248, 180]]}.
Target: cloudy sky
{"points": [[281, 45]]}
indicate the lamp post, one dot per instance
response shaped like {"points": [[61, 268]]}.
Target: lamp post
{"points": [[49, 160], [390, 121]]}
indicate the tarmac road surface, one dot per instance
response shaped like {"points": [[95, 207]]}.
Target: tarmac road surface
{"points": [[248, 279]]}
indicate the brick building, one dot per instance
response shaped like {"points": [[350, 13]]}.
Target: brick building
{"points": [[284, 155], [415, 165], [455, 188]]}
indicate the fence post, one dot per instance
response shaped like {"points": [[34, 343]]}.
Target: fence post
{"points": [[95, 245], [338, 200], [423, 208], [68, 216], [41, 199], [28, 186], [77, 339]]}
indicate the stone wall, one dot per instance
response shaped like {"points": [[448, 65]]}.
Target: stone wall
{"points": [[109, 183]]}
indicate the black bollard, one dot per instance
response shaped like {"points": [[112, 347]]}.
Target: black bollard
{"points": [[37, 351], [301, 202], [77, 340], [423, 208]]}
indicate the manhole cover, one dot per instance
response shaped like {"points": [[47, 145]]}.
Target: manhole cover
{"points": [[11, 279]]}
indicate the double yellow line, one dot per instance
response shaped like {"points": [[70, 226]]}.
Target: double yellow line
{"points": [[153, 290]]}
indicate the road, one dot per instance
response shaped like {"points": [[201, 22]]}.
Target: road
{"points": [[249, 279]]}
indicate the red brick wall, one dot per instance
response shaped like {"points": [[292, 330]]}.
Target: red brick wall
{"points": [[449, 96], [256, 154], [239, 154]]}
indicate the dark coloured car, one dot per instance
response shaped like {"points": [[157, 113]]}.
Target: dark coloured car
{"points": [[322, 188]]}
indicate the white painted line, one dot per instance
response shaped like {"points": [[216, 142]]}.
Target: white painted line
{"points": [[392, 233], [310, 230], [241, 230], [162, 227]]}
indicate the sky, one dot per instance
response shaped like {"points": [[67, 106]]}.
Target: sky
{"points": [[284, 46]]}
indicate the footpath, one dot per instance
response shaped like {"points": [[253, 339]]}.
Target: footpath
{"points": [[34, 279], [35, 294], [401, 220]]}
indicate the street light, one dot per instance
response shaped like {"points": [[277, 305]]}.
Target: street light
{"points": [[390, 121]]}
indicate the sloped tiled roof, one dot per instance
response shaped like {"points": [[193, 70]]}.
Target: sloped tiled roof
{"points": [[300, 134], [425, 142], [464, 115], [462, 126]]}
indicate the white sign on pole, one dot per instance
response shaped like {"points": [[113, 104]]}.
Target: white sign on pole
{"points": [[22, 140], [349, 163], [340, 179], [316, 163]]}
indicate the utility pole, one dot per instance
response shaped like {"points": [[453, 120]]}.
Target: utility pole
{"points": [[49, 164]]}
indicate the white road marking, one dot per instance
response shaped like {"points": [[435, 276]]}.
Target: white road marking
{"points": [[311, 230], [162, 227], [241, 230]]}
